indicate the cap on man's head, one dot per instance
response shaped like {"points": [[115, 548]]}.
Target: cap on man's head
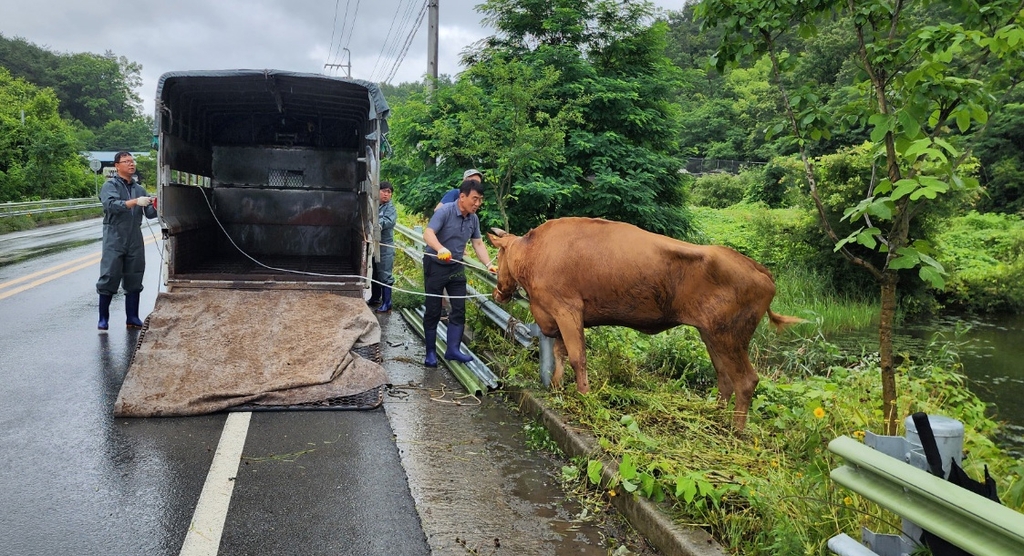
{"points": [[472, 172]]}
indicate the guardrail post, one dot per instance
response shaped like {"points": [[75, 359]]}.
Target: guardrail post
{"points": [[949, 436], [547, 354]]}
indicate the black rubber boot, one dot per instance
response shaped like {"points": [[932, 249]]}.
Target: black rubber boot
{"points": [[131, 310], [385, 300], [454, 351], [374, 294], [430, 338], [104, 311]]}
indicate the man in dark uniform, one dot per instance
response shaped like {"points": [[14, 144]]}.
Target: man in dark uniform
{"points": [[123, 260], [383, 280], [450, 227]]}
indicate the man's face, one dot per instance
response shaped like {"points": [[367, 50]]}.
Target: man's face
{"points": [[469, 204], [125, 167], [385, 196]]}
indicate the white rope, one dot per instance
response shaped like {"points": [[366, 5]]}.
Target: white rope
{"points": [[354, 276]]}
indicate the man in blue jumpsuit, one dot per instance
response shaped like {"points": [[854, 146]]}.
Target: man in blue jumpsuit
{"points": [[123, 260], [383, 280], [450, 227]]}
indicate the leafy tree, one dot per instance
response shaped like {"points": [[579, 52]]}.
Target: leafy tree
{"points": [[930, 75], [622, 157], [119, 135], [91, 88], [1001, 153], [38, 152]]}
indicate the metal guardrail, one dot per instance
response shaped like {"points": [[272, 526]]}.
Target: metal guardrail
{"points": [[972, 522], [48, 206], [521, 332]]}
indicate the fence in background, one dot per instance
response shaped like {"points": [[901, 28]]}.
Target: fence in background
{"points": [[43, 207]]}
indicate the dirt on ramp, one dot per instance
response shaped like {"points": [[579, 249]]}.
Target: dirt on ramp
{"points": [[205, 351]]}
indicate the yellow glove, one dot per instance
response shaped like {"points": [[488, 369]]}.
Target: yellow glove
{"points": [[444, 255], [492, 268]]}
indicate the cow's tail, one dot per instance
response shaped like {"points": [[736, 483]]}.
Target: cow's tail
{"points": [[782, 321]]}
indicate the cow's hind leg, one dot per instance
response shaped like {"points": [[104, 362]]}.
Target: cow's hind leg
{"points": [[559, 353], [570, 328], [725, 387], [731, 359]]}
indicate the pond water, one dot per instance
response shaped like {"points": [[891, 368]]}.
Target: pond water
{"points": [[993, 360], [992, 353]]}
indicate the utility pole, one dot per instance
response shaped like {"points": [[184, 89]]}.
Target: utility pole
{"points": [[432, 25], [347, 67]]}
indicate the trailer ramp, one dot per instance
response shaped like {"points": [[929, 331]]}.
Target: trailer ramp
{"points": [[205, 351]]}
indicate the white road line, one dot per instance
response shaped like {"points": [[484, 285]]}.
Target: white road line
{"points": [[203, 538]]}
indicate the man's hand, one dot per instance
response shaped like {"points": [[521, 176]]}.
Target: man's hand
{"points": [[143, 201], [444, 255], [492, 268]]}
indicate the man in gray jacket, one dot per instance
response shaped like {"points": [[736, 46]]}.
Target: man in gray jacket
{"points": [[380, 288], [123, 260]]}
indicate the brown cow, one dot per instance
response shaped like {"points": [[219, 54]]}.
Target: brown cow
{"points": [[582, 272]]}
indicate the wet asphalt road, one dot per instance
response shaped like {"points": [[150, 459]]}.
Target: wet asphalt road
{"points": [[416, 477]]}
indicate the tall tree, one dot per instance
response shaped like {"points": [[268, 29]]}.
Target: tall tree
{"points": [[38, 152], [622, 157], [931, 75]]}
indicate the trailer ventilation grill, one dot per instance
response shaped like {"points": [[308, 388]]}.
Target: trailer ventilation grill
{"points": [[285, 178]]}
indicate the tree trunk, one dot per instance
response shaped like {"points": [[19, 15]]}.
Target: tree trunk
{"points": [[888, 313]]}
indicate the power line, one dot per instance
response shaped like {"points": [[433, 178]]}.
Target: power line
{"points": [[352, 28], [387, 51], [408, 42], [344, 20], [334, 27]]}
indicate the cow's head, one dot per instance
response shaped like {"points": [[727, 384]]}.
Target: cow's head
{"points": [[507, 285]]}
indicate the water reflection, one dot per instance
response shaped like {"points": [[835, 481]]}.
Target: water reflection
{"points": [[992, 353]]}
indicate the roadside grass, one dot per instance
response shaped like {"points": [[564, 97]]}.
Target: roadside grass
{"points": [[653, 408], [31, 221], [766, 491]]}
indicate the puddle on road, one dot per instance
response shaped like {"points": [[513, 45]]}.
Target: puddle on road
{"points": [[477, 487], [11, 256]]}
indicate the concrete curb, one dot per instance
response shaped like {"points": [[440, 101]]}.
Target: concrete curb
{"points": [[642, 513]]}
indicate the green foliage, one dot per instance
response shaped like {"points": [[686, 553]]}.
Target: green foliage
{"points": [[1001, 152], [985, 257], [120, 135], [38, 158], [717, 190], [568, 110], [93, 89], [768, 492]]}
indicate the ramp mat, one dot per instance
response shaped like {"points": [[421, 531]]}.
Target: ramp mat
{"points": [[206, 351]]}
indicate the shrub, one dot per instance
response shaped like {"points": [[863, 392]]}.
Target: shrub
{"points": [[718, 190]]}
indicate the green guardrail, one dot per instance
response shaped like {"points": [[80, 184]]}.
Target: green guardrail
{"points": [[972, 522]]}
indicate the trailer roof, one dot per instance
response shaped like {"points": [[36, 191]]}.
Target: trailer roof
{"points": [[226, 102]]}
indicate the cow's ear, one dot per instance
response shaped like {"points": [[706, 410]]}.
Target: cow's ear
{"points": [[499, 232]]}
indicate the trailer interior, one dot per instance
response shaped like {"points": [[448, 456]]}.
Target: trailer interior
{"points": [[268, 179]]}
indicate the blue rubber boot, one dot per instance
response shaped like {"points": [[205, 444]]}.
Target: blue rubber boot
{"points": [[104, 311], [131, 309], [374, 294], [385, 299], [430, 338], [454, 351]]}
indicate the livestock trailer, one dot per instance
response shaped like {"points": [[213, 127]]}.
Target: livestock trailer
{"points": [[268, 179]]}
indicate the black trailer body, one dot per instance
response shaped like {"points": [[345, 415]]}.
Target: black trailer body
{"points": [[268, 179]]}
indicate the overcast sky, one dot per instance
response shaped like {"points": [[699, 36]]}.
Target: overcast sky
{"points": [[292, 35]]}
